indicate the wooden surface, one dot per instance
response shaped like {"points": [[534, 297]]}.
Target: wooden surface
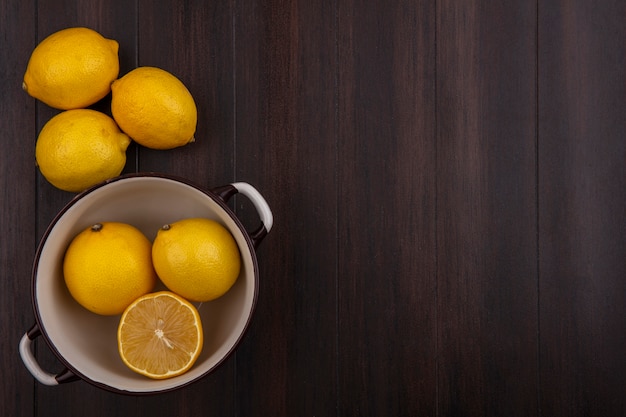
{"points": [[448, 187]]}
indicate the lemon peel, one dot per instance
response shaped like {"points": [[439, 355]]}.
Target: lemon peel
{"points": [[79, 148], [72, 68], [154, 108], [196, 258], [107, 266]]}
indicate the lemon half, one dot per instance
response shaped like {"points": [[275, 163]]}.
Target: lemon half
{"points": [[160, 335]]}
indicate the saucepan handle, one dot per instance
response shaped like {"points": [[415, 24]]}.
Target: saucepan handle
{"points": [[261, 206], [33, 366]]}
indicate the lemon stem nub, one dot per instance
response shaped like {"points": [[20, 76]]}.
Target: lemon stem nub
{"points": [[166, 227], [96, 227]]}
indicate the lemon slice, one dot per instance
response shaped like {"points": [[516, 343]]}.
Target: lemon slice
{"points": [[160, 335]]}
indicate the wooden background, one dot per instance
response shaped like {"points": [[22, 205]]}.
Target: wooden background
{"points": [[447, 181]]}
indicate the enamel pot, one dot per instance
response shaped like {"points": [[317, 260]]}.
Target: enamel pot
{"points": [[86, 343]]}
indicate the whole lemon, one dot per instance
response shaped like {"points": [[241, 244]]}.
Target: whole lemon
{"points": [[196, 258], [108, 266], [72, 68], [154, 108], [80, 148]]}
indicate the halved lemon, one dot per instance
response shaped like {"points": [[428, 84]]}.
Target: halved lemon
{"points": [[160, 335]]}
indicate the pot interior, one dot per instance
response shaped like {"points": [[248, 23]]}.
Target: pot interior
{"points": [[87, 342]]}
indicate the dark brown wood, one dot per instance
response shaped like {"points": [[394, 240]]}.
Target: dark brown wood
{"points": [[386, 153], [17, 208], [486, 208], [582, 200], [284, 60], [447, 181]]}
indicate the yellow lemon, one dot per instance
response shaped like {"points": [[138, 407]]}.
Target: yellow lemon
{"points": [[80, 148], [160, 335], [108, 266], [72, 68], [154, 108], [196, 258]]}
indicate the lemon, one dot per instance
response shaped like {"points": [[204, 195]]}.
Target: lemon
{"points": [[108, 266], [160, 335], [80, 148], [154, 108], [196, 258], [72, 68]]}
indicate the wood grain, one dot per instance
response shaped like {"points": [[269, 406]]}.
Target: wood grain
{"points": [[285, 145], [582, 183], [447, 182], [386, 209], [17, 227], [486, 209]]}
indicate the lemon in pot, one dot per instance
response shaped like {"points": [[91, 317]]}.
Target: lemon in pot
{"points": [[107, 266], [160, 335], [196, 258]]}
